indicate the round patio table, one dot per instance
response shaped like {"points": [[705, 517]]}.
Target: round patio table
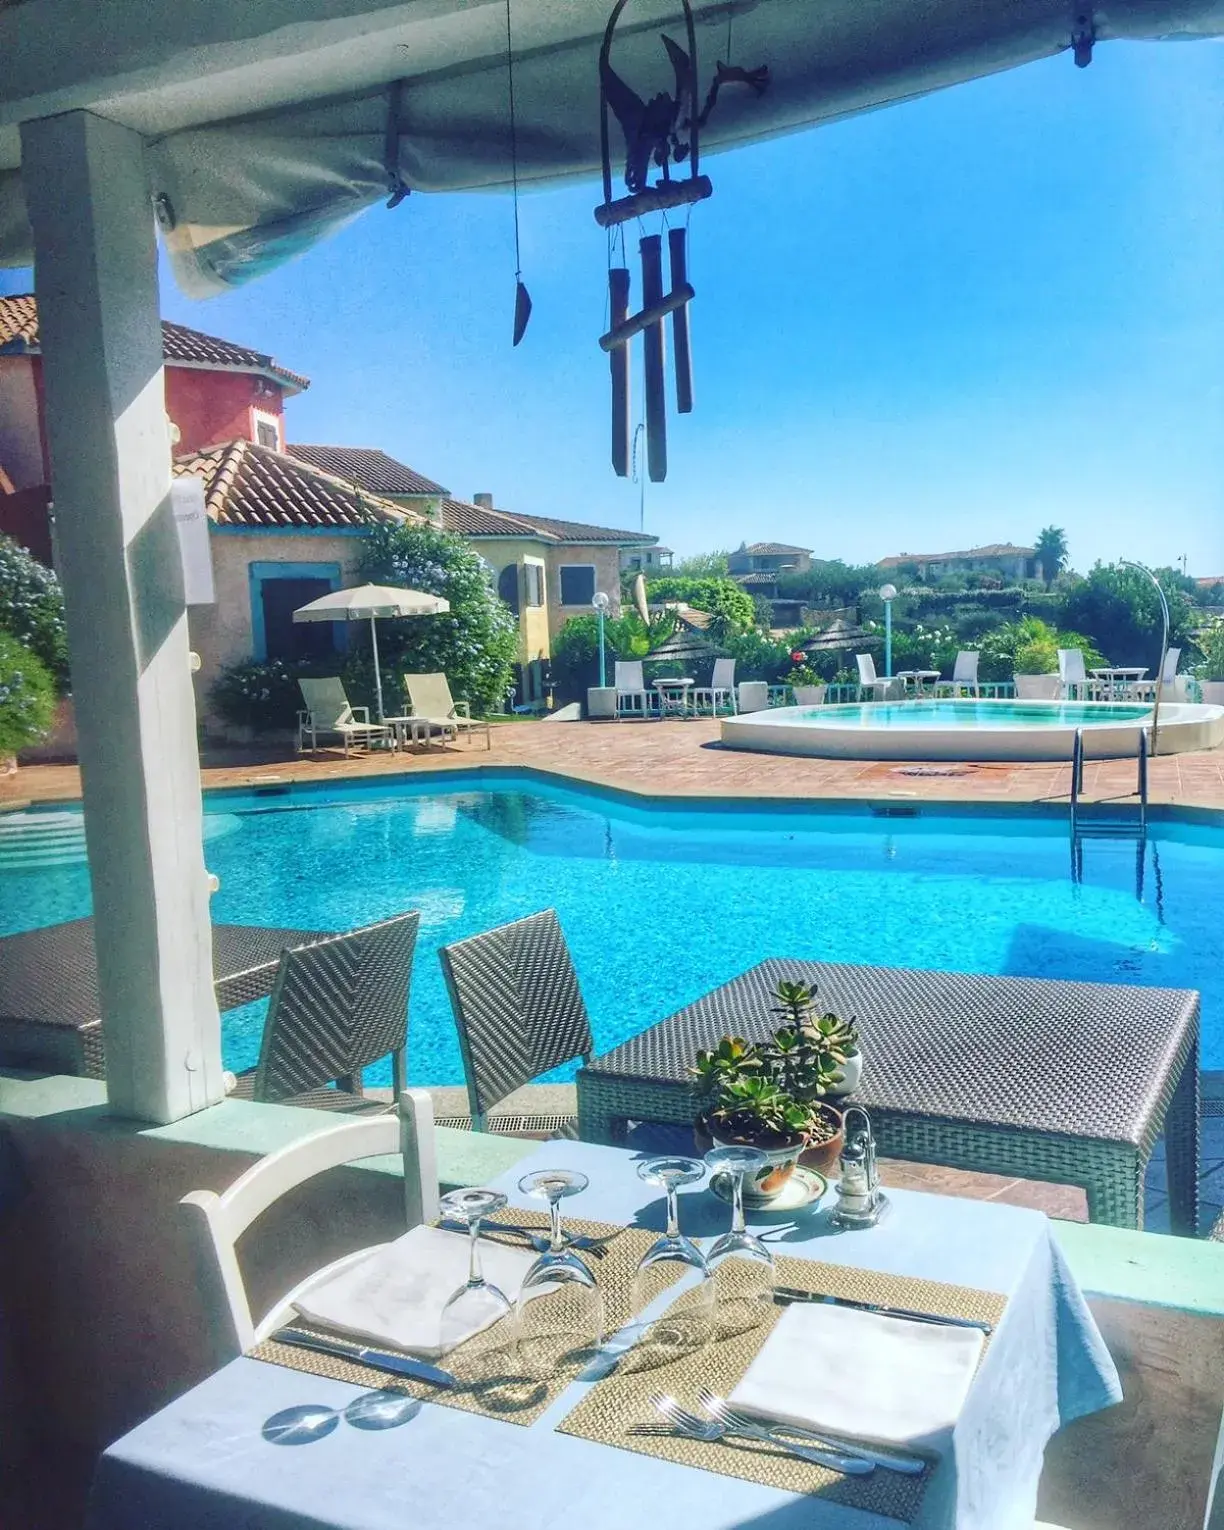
{"points": [[1119, 679], [917, 679], [674, 696]]}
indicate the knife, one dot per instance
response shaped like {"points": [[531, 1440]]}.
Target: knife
{"points": [[377, 1359], [785, 1295]]}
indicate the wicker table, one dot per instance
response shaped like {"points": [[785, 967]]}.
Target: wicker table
{"points": [[1067, 1082], [49, 989]]}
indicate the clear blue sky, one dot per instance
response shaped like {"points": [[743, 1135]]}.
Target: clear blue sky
{"points": [[942, 324]]}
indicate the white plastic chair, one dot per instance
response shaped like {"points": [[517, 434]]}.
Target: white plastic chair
{"points": [[430, 700], [632, 697], [214, 1223], [1073, 677], [1145, 690], [721, 689], [328, 711], [965, 673], [869, 681]]}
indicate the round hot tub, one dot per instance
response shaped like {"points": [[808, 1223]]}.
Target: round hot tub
{"points": [[973, 730]]}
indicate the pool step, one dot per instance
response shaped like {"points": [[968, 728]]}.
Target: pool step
{"points": [[30, 840]]}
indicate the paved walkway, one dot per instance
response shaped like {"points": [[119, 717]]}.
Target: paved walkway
{"points": [[686, 759]]}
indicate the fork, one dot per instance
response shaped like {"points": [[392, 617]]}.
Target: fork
{"points": [[538, 1239], [686, 1423], [891, 1460]]}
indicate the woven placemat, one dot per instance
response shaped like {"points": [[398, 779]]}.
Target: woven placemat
{"points": [[615, 1405], [496, 1377]]}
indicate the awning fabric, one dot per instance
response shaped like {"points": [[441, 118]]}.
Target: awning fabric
{"points": [[240, 196]]}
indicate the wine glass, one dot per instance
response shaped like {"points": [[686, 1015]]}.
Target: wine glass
{"points": [[741, 1266], [685, 1326], [478, 1304], [560, 1308]]}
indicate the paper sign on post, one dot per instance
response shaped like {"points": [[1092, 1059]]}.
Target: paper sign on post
{"points": [[187, 499]]}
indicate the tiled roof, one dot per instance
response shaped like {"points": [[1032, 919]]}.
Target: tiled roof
{"points": [[368, 468], [479, 521], [254, 486], [186, 347], [991, 550], [760, 576], [771, 549]]}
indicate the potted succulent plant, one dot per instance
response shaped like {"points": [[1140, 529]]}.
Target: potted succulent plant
{"points": [[773, 1094], [1036, 671], [805, 682]]}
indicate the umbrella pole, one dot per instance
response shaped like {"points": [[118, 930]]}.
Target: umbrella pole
{"points": [[377, 670]]}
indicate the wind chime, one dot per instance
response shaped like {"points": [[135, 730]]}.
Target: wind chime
{"points": [[660, 131]]}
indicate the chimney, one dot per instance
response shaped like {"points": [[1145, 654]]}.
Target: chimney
{"points": [[485, 501]]}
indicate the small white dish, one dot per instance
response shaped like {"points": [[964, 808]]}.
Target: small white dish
{"points": [[804, 1188]]}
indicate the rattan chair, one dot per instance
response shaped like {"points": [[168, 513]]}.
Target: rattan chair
{"points": [[338, 1005], [519, 1013]]}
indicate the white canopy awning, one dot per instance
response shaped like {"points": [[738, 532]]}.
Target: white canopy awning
{"points": [[267, 122]]}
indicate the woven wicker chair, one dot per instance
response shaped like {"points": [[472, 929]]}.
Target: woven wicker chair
{"points": [[519, 1013], [338, 1006]]}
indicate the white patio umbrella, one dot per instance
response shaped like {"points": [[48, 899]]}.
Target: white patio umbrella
{"points": [[369, 602]]}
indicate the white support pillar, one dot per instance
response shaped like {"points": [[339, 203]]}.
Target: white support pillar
{"points": [[117, 546]]}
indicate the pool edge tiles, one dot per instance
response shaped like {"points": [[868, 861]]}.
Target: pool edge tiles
{"points": [[908, 732]]}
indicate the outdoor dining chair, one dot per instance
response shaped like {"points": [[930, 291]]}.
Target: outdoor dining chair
{"points": [[632, 697], [964, 679], [1145, 690], [519, 1013], [338, 1006], [328, 711], [721, 689], [430, 699], [1073, 677], [214, 1223], [878, 688]]}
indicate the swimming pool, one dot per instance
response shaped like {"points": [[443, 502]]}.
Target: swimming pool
{"points": [[661, 904], [967, 729]]}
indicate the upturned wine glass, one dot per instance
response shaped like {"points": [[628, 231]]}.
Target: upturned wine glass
{"points": [[560, 1308], [685, 1326], [740, 1264], [478, 1304]]}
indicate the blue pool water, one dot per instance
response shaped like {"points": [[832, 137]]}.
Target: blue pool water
{"points": [[660, 906], [972, 714]]}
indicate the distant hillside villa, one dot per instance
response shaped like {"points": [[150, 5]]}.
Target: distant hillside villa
{"points": [[1002, 558], [286, 520]]}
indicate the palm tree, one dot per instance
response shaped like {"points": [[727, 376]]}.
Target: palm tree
{"points": [[1051, 553]]}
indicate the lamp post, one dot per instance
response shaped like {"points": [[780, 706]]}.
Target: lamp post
{"points": [[601, 603], [888, 593], [1164, 641]]}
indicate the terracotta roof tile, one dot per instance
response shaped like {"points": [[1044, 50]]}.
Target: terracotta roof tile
{"points": [[581, 531], [772, 549], [367, 467], [187, 347], [760, 576], [253, 486], [991, 550], [480, 521]]}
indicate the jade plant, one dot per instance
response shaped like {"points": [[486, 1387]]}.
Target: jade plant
{"points": [[772, 1092]]}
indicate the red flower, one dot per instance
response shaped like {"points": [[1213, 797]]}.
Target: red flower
{"points": [[796, 655]]}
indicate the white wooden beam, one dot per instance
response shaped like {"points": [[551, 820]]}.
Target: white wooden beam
{"points": [[96, 281]]}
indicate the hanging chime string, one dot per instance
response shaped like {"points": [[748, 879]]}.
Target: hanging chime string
{"points": [[518, 265]]}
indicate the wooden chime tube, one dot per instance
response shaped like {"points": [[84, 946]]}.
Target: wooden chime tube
{"points": [[618, 361], [682, 355], [619, 334], [651, 249]]}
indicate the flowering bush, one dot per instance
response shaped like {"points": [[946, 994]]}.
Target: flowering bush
{"points": [[263, 696], [27, 697], [32, 609]]}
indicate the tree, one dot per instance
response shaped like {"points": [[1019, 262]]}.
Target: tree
{"points": [[32, 608], [710, 565], [475, 644], [27, 697], [1120, 611], [1051, 553], [727, 602]]}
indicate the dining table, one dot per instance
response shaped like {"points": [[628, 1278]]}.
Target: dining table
{"points": [[1118, 681], [210, 1458], [918, 682], [675, 696]]}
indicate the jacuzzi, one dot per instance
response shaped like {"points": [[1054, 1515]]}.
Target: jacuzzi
{"points": [[973, 730]]}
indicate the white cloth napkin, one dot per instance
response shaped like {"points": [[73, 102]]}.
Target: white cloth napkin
{"points": [[396, 1295], [861, 1375]]}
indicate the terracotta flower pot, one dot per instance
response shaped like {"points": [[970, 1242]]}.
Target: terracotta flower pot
{"points": [[781, 1158]]}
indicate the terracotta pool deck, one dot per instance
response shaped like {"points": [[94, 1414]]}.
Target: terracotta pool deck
{"points": [[685, 759]]}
